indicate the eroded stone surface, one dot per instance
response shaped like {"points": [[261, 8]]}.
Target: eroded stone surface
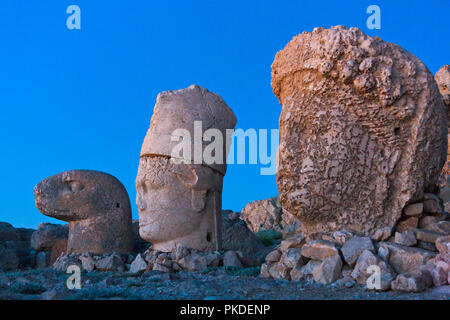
{"points": [[95, 204], [178, 195], [356, 111]]}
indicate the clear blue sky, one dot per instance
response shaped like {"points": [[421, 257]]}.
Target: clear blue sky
{"points": [[83, 99]]}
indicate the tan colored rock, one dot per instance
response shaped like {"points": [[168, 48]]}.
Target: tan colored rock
{"points": [[47, 235], [8, 259], [412, 283], [427, 235], [426, 221], [265, 270], [319, 250], [269, 215], [95, 204], [354, 247], [440, 227], [432, 204], [406, 259], [292, 258], [87, 262], [8, 232], [236, 236], [356, 111], [413, 210], [279, 271], [111, 262], [442, 78], [230, 259], [407, 224], [179, 194], [367, 259], [138, 265], [273, 256], [329, 270]]}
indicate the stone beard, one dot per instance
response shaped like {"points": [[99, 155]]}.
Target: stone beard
{"points": [[179, 204]]}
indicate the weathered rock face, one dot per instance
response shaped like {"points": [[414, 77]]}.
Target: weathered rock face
{"points": [[363, 130], [442, 78], [237, 237], [269, 215], [95, 204], [178, 195]]}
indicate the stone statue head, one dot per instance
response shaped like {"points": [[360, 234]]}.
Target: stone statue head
{"points": [[95, 204], [179, 202]]}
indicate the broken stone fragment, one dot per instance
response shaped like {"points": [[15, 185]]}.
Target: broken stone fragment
{"points": [[273, 256], [138, 265], [427, 235], [179, 193], [292, 258], [413, 210], [193, 262], [47, 234]]}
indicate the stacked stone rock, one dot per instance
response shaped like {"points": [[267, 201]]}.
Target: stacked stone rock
{"points": [[49, 241], [95, 204], [179, 194], [363, 131], [180, 259], [269, 215], [414, 259]]}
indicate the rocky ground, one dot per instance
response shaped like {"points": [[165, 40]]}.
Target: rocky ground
{"points": [[211, 284]]}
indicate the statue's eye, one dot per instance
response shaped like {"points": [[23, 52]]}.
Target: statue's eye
{"points": [[75, 186]]}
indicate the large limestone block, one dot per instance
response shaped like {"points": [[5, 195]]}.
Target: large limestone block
{"points": [[179, 190], [363, 130], [442, 78], [95, 204]]}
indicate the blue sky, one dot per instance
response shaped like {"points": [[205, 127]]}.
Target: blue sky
{"points": [[83, 99]]}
